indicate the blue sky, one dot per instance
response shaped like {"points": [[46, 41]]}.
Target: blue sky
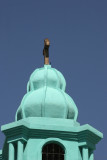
{"points": [[77, 30]]}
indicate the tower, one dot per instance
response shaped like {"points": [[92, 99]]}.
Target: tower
{"points": [[46, 126]]}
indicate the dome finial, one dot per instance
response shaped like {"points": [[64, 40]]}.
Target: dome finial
{"points": [[46, 51]]}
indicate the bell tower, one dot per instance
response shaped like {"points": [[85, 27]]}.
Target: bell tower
{"points": [[46, 126]]}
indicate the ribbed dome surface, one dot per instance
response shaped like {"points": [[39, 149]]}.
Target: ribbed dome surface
{"points": [[46, 96]]}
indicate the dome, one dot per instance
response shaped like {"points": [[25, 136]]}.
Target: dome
{"points": [[46, 96], [46, 76]]}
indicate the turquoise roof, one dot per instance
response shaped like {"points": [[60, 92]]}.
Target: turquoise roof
{"points": [[46, 96]]}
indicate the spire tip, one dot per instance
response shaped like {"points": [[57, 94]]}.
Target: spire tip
{"points": [[46, 51]]}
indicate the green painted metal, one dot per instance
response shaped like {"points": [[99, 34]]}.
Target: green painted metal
{"points": [[46, 96], [48, 114]]}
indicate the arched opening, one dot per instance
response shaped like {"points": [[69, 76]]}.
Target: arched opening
{"points": [[53, 151]]}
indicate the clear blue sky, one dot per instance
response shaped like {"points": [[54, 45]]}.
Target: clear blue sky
{"points": [[77, 30]]}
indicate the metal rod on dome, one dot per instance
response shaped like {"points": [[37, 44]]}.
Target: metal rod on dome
{"points": [[46, 51]]}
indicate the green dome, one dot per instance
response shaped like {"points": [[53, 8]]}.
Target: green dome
{"points": [[46, 96]]}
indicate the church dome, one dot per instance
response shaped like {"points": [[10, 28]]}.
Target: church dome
{"points": [[46, 76], [46, 96]]}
